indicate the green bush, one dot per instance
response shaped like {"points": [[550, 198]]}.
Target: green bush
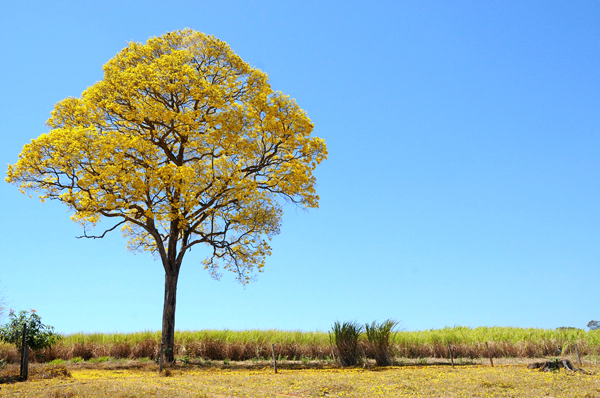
{"points": [[185, 359], [99, 359], [38, 335], [344, 337]]}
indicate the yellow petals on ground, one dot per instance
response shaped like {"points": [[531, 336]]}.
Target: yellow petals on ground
{"points": [[404, 381]]}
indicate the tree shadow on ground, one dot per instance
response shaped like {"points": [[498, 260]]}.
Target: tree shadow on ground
{"points": [[9, 379]]}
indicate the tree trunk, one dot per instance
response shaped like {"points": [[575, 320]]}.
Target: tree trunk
{"points": [[168, 323]]}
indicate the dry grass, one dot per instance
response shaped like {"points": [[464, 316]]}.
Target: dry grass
{"points": [[256, 344], [10, 373], [134, 379]]}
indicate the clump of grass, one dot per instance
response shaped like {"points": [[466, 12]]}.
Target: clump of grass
{"points": [[99, 359], [378, 335], [344, 337], [184, 359], [55, 369]]}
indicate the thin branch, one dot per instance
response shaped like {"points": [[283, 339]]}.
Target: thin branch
{"points": [[101, 236]]}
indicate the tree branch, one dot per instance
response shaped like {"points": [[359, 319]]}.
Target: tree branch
{"points": [[101, 236]]}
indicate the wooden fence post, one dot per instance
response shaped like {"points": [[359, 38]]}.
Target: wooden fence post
{"points": [[274, 360], [451, 355], [24, 355], [489, 353]]}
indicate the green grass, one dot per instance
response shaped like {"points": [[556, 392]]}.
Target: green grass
{"points": [[221, 336], [467, 335], [452, 335], [247, 344]]}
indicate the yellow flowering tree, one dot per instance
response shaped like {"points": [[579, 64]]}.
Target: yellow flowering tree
{"points": [[181, 143]]}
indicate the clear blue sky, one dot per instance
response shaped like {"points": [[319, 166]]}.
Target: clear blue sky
{"points": [[462, 185]]}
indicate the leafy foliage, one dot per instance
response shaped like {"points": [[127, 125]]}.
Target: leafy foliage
{"points": [[38, 335], [344, 336], [378, 336], [594, 325], [565, 328], [182, 143]]}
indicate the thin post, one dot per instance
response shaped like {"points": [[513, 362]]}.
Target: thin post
{"points": [[578, 356], [24, 355], [450, 353], [161, 357], [274, 360], [489, 353]]}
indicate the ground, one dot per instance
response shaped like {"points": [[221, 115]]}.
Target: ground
{"points": [[317, 379]]}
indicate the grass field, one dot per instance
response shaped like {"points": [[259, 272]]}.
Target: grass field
{"points": [[136, 379], [234, 364], [256, 344]]}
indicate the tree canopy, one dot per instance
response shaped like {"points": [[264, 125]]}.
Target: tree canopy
{"points": [[181, 136], [37, 335], [181, 143]]}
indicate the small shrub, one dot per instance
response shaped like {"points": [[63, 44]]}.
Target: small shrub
{"points": [[76, 360], [344, 337], [99, 359], [58, 361], [185, 359], [379, 341], [38, 336]]}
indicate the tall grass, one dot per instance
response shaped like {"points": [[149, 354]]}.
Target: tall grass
{"points": [[503, 342], [344, 337], [378, 335], [222, 336], [249, 344]]}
